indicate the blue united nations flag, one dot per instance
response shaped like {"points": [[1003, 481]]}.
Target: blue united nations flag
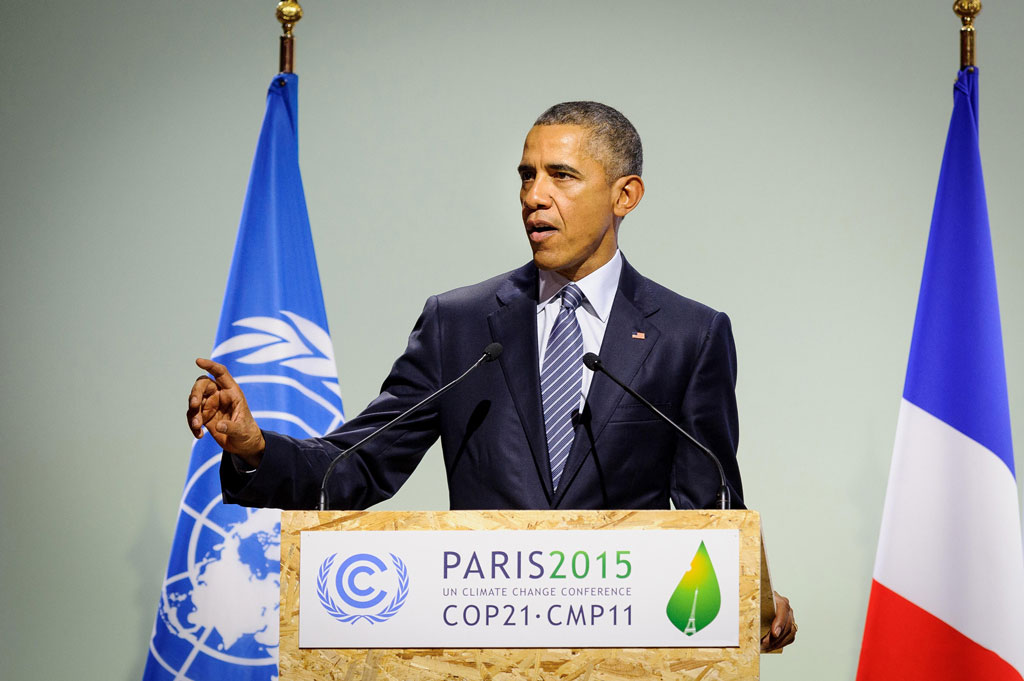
{"points": [[218, 614]]}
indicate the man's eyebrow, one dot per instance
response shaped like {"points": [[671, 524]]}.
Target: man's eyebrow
{"points": [[561, 168], [551, 168]]}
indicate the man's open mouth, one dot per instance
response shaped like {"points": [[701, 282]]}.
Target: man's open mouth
{"points": [[540, 231]]}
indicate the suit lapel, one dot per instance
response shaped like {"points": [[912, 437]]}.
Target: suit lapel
{"points": [[514, 325], [623, 353]]}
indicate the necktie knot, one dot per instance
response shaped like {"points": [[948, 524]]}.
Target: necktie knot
{"points": [[572, 297]]}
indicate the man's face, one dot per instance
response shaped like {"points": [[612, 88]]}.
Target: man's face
{"points": [[567, 202]]}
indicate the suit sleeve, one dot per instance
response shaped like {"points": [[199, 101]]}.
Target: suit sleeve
{"points": [[709, 413], [290, 472]]}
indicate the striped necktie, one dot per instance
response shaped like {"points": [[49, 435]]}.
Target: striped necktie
{"points": [[561, 380]]}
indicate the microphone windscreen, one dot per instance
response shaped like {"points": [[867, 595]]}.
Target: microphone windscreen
{"points": [[493, 352], [592, 361]]}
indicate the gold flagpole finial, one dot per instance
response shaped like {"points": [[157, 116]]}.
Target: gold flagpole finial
{"points": [[967, 10], [288, 13]]}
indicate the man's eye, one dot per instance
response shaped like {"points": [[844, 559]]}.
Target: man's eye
{"points": [[561, 176]]}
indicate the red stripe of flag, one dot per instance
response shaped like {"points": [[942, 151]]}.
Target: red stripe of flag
{"points": [[904, 642]]}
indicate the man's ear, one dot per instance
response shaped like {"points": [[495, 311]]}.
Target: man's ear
{"points": [[627, 192]]}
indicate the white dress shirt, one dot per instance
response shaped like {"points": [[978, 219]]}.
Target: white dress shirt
{"points": [[598, 290]]}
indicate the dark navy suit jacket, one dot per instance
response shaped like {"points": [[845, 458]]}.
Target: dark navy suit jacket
{"points": [[676, 352]]}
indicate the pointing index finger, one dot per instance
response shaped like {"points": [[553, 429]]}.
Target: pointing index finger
{"points": [[219, 371]]}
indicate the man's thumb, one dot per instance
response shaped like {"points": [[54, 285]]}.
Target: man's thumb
{"points": [[229, 428]]}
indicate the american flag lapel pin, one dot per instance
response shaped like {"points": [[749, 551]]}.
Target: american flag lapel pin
{"points": [[639, 335]]}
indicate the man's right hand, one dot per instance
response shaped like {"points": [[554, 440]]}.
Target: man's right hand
{"points": [[219, 405]]}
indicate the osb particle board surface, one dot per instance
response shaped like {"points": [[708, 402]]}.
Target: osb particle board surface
{"points": [[521, 664]]}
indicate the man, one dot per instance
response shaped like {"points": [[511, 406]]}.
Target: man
{"points": [[535, 429]]}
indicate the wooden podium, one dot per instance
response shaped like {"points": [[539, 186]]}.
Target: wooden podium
{"points": [[514, 664]]}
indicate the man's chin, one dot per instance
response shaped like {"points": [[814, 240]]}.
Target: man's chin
{"points": [[545, 261]]}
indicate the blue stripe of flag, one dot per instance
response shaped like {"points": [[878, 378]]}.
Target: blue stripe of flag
{"points": [[956, 370]]}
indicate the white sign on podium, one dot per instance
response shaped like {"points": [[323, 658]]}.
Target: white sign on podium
{"points": [[519, 589]]}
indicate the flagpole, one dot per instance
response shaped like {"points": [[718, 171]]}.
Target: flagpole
{"points": [[966, 10], [288, 13]]}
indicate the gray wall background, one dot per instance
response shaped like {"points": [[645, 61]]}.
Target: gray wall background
{"points": [[792, 155]]}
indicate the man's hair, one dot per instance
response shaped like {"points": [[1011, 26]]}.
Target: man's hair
{"points": [[613, 140]]}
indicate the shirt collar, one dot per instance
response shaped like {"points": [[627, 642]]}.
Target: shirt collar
{"points": [[598, 287]]}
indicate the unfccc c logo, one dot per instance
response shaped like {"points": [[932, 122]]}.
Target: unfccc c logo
{"points": [[352, 581]]}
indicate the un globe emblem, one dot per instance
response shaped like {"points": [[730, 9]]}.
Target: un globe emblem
{"points": [[219, 604], [219, 608]]}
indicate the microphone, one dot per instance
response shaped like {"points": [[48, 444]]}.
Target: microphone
{"points": [[491, 353], [722, 500]]}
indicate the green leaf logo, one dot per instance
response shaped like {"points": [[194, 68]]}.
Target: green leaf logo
{"points": [[697, 599]]}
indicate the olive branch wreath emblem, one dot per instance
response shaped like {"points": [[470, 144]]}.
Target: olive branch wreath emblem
{"points": [[384, 615]]}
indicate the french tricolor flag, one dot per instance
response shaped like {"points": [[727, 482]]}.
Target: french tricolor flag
{"points": [[947, 598]]}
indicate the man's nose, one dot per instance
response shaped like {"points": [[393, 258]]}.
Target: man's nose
{"points": [[538, 195]]}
